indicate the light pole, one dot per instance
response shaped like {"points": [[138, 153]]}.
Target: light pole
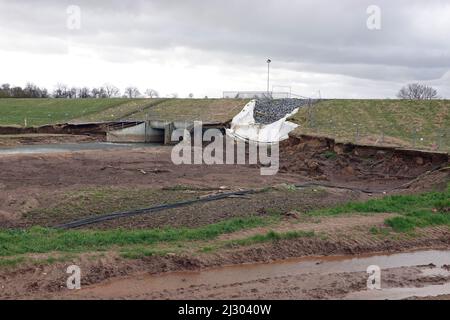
{"points": [[268, 75]]}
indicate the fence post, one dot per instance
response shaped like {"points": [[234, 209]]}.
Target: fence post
{"points": [[446, 137], [357, 134], [438, 139]]}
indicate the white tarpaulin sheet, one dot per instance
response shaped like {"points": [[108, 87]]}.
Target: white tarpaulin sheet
{"points": [[244, 127]]}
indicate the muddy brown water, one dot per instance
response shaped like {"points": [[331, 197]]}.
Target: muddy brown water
{"points": [[401, 293], [316, 266], [72, 147]]}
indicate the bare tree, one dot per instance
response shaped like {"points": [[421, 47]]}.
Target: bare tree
{"points": [[17, 92], [5, 90], [132, 92], [111, 90], [99, 93], [417, 91], [84, 93], [151, 93], [61, 91], [191, 95], [72, 93], [33, 91]]}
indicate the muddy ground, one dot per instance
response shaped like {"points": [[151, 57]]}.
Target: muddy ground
{"points": [[311, 278], [49, 189], [32, 185], [107, 276], [36, 139]]}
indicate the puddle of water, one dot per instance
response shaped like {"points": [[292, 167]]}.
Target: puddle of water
{"points": [[72, 147], [401, 293], [435, 272], [250, 272]]}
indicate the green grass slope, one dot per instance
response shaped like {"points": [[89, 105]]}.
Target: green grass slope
{"points": [[37, 112], [124, 111], [419, 124], [206, 110]]}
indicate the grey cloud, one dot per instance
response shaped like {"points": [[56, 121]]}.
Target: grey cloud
{"points": [[317, 36]]}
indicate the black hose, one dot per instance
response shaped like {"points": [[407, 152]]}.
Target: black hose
{"points": [[326, 185], [112, 216], [124, 214]]}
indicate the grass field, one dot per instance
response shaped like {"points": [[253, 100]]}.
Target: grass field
{"points": [[421, 124], [206, 110], [127, 110], [415, 211], [49, 111], [35, 112]]}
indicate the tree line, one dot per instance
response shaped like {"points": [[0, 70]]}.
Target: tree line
{"points": [[413, 91], [29, 91], [62, 91]]}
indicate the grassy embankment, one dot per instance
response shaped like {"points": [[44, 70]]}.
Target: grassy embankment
{"points": [[404, 123], [36, 112], [206, 110]]}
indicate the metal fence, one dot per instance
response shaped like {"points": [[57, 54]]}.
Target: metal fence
{"points": [[255, 95]]}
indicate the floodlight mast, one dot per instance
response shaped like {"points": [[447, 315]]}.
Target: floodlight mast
{"points": [[268, 76]]}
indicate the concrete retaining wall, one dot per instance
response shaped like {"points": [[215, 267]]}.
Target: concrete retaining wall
{"points": [[153, 131], [140, 133]]}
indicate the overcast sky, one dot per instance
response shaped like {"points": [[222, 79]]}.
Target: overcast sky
{"points": [[209, 46]]}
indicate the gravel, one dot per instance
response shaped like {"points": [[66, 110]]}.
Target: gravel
{"points": [[270, 110]]}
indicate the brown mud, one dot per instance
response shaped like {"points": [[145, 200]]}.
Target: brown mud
{"points": [[48, 281], [31, 182], [35, 182], [403, 275], [39, 139]]}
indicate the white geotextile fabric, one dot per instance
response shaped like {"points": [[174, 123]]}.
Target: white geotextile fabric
{"points": [[244, 127]]}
